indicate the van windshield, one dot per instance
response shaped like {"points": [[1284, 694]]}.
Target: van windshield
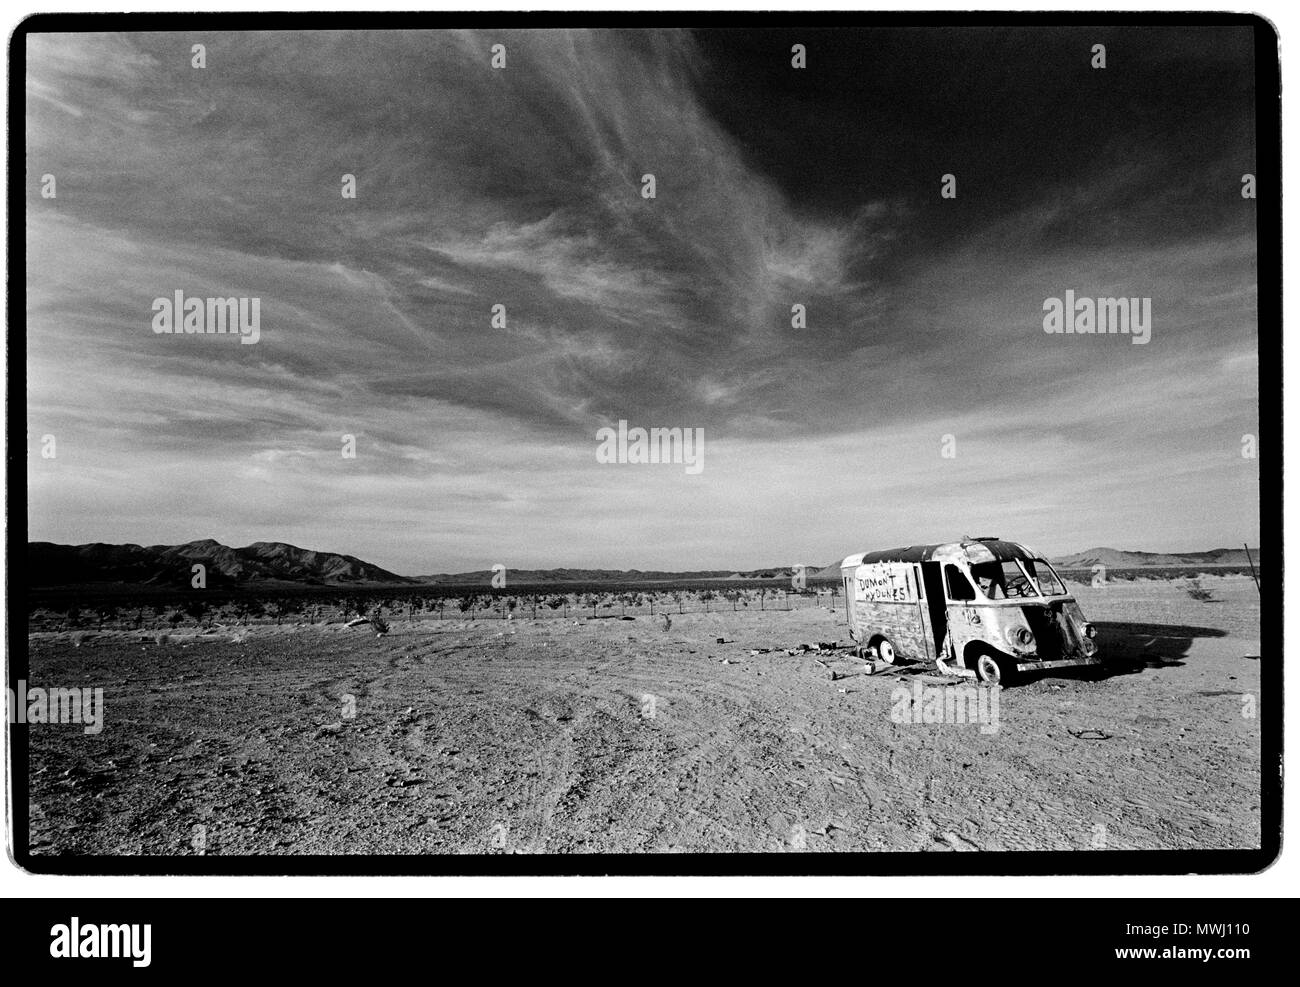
{"points": [[1002, 580], [1049, 583]]}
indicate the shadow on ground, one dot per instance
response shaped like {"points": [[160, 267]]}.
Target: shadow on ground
{"points": [[1129, 648]]}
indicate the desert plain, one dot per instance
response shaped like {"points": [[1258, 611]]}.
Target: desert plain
{"points": [[574, 735]]}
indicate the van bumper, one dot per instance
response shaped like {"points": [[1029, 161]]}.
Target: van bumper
{"points": [[1034, 666]]}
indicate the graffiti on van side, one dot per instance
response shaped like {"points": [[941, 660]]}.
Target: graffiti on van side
{"points": [[883, 585]]}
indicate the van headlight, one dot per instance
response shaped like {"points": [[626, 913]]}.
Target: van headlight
{"points": [[1090, 630], [1020, 636]]}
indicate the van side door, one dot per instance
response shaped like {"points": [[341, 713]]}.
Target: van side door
{"points": [[964, 623], [928, 641]]}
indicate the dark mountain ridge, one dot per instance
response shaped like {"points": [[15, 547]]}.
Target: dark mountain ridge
{"points": [[261, 563]]}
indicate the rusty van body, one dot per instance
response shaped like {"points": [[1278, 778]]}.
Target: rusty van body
{"points": [[984, 604]]}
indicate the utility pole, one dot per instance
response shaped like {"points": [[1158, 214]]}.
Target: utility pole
{"points": [[1252, 566]]}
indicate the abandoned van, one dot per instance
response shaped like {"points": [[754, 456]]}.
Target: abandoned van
{"points": [[988, 605]]}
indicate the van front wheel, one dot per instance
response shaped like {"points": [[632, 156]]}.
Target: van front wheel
{"points": [[989, 669], [886, 651]]}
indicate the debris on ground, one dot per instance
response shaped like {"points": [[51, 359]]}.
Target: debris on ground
{"points": [[378, 623]]}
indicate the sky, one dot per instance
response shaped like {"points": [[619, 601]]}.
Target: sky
{"points": [[922, 400]]}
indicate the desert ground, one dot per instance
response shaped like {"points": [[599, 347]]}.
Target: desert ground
{"points": [[610, 735]]}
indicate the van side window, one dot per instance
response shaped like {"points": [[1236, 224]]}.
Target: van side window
{"points": [[959, 587]]}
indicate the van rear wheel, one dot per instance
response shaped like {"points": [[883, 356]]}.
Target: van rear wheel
{"points": [[886, 651]]}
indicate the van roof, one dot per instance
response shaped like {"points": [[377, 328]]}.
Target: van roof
{"points": [[974, 551]]}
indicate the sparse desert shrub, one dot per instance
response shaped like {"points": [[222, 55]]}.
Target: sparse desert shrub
{"points": [[248, 609], [161, 638], [197, 609], [380, 625], [79, 638], [1198, 592]]}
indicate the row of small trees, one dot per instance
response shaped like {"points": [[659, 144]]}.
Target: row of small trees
{"points": [[202, 610], [196, 609], [594, 603]]}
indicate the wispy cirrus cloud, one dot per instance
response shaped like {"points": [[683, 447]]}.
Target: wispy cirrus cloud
{"points": [[522, 187]]}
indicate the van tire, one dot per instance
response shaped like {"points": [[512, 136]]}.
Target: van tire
{"points": [[993, 669], [885, 648]]}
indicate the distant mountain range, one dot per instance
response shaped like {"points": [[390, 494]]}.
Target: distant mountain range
{"points": [[270, 564], [264, 563], [1115, 558]]}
